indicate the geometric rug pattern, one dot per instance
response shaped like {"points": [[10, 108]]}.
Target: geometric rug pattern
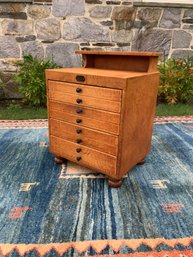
{"points": [[65, 210]]}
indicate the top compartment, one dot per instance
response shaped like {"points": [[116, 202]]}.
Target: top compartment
{"points": [[124, 61], [107, 69]]}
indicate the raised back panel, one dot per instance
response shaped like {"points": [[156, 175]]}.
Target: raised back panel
{"points": [[107, 62], [124, 61]]}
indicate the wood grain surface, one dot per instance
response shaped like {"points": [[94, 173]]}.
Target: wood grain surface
{"points": [[91, 158]]}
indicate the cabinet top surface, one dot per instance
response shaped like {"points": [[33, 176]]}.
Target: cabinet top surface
{"points": [[96, 72], [119, 53]]}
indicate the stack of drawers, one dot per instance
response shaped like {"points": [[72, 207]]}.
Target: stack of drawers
{"points": [[101, 116], [84, 124]]}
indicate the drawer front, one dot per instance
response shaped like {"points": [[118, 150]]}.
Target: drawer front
{"points": [[88, 157], [83, 136], [84, 100], [98, 103], [77, 119], [83, 90], [86, 112]]}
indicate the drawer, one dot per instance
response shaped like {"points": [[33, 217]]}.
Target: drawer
{"points": [[89, 157], [84, 90], [58, 93], [104, 142], [105, 126], [85, 112]]}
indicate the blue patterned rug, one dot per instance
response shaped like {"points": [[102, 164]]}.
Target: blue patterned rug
{"points": [[52, 210]]}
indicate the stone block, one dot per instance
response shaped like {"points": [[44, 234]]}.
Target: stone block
{"points": [[11, 90], [120, 49], [34, 48], [17, 27], [14, 15], [8, 64], [84, 44], [6, 76], [62, 8], [181, 39], [92, 48], [12, 7], [150, 16], [103, 44], [188, 27], [152, 41], [48, 29], [106, 23], [124, 24], [84, 30], [171, 18], [140, 24], [9, 47], [122, 36], [123, 13], [113, 2], [127, 2], [42, 1], [64, 54], [188, 14], [100, 11], [123, 44], [182, 53], [38, 11], [25, 38], [187, 20], [93, 1]]}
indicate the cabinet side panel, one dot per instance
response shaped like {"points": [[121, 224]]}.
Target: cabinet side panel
{"points": [[137, 120], [48, 107]]}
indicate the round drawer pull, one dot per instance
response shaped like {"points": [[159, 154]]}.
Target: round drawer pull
{"points": [[78, 150], [78, 158], [79, 111], [79, 101], [78, 120], [78, 141], [78, 90], [78, 131]]}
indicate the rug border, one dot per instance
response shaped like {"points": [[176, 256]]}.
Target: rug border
{"points": [[173, 253], [97, 245], [43, 123]]}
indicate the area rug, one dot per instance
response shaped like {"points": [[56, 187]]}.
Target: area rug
{"points": [[65, 210]]}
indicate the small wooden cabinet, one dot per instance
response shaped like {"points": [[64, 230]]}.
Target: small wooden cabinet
{"points": [[101, 115]]}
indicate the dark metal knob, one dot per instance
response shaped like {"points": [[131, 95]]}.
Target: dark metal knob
{"points": [[78, 131], [78, 140], [79, 101], [78, 158], [80, 78], [79, 111], [78, 120], [78, 150], [78, 90]]}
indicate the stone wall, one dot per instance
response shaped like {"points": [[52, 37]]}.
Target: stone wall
{"points": [[57, 30]]}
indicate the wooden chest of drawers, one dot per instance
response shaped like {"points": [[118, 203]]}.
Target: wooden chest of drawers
{"points": [[101, 115]]}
